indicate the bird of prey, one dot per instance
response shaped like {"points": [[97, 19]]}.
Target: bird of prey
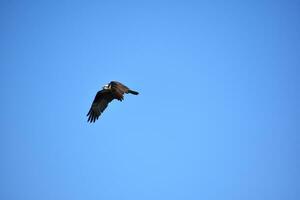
{"points": [[114, 90]]}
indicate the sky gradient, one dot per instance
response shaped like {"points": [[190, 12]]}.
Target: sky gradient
{"points": [[217, 116]]}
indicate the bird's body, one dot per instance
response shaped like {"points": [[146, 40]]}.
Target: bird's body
{"points": [[114, 90]]}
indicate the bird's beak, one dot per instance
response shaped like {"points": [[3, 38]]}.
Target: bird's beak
{"points": [[105, 87]]}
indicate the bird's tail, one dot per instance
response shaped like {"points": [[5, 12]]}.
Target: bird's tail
{"points": [[133, 92]]}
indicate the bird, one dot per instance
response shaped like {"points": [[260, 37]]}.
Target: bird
{"points": [[109, 92]]}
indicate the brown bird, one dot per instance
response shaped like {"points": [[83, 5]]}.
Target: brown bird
{"points": [[114, 90]]}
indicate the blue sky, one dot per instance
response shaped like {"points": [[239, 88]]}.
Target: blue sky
{"points": [[217, 116]]}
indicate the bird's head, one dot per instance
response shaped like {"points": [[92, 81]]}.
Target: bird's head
{"points": [[105, 87]]}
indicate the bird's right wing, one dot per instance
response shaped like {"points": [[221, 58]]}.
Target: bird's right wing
{"points": [[102, 99]]}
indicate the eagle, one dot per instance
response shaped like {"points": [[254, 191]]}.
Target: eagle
{"points": [[109, 92]]}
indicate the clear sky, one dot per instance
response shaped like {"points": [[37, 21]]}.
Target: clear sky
{"points": [[217, 117]]}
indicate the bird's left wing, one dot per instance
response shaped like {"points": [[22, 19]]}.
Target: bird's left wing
{"points": [[118, 89], [102, 99]]}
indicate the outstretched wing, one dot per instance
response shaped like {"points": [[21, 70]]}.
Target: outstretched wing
{"points": [[102, 99], [118, 89]]}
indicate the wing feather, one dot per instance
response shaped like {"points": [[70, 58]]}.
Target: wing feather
{"points": [[100, 103], [118, 89]]}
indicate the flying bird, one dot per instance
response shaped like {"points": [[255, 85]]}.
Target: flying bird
{"points": [[114, 90]]}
